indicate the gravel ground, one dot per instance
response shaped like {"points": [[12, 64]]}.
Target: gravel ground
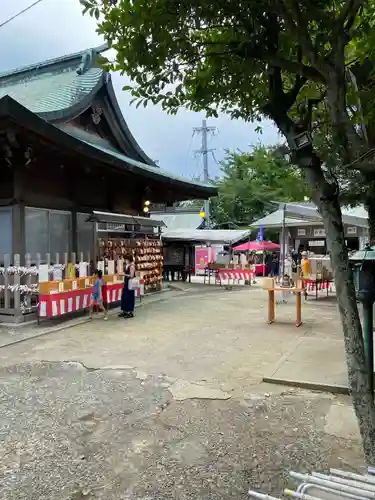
{"points": [[71, 433]]}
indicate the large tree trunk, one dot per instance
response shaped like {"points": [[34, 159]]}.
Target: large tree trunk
{"points": [[327, 201], [325, 197], [370, 206]]}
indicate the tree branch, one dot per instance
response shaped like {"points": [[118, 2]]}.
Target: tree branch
{"points": [[247, 51], [291, 96], [349, 13], [298, 24], [292, 67], [317, 13], [274, 72]]}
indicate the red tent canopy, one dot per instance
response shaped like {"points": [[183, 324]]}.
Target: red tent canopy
{"points": [[262, 246]]}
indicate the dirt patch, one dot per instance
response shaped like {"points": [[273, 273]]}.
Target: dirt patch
{"points": [[71, 433]]}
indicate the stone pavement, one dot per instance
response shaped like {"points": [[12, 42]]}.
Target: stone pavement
{"points": [[314, 364], [168, 405], [15, 333], [219, 339], [317, 359]]}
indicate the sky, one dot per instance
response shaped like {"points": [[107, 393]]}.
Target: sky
{"points": [[55, 28]]}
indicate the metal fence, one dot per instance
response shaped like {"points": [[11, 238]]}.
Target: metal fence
{"points": [[19, 278]]}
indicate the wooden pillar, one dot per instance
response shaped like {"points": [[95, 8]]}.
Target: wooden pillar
{"points": [[271, 306], [18, 213], [71, 189], [74, 230]]}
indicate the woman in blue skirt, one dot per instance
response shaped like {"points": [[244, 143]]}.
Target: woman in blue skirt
{"points": [[128, 295]]}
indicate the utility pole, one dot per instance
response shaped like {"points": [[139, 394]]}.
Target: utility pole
{"points": [[204, 130]]}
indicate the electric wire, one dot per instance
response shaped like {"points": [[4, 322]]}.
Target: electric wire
{"points": [[19, 13]]}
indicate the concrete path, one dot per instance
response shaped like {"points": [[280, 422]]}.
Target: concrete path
{"points": [[315, 363], [219, 339], [168, 405], [317, 359]]}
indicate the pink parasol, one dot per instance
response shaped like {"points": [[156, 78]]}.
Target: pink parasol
{"points": [[262, 246]]}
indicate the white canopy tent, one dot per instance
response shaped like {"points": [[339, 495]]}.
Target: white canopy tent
{"points": [[207, 236], [289, 215], [308, 212], [296, 214]]}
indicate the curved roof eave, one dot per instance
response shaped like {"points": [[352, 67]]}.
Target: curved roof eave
{"points": [[124, 129], [51, 63], [69, 113], [9, 108]]}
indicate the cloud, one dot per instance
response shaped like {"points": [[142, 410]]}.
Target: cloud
{"points": [[56, 27]]}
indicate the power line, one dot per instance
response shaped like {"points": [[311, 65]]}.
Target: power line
{"points": [[198, 167], [19, 13], [188, 151]]}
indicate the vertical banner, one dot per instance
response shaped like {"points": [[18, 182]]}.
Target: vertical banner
{"points": [[203, 257]]}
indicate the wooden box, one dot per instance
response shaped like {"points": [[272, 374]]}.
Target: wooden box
{"points": [[70, 284], [47, 287], [268, 283]]}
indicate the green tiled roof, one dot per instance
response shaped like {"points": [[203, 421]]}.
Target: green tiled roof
{"points": [[102, 145], [49, 92], [147, 168], [60, 89], [56, 85]]}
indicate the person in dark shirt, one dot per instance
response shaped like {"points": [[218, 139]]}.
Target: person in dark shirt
{"points": [[295, 260]]}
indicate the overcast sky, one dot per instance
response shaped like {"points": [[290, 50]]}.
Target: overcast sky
{"points": [[56, 27]]}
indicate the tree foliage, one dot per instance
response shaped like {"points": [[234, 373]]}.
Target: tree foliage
{"points": [[285, 60], [250, 182], [301, 63]]}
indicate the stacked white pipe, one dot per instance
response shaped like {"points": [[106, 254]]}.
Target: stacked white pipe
{"points": [[337, 484]]}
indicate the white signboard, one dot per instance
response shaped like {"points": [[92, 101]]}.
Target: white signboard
{"points": [[316, 243], [82, 269], [111, 267], [319, 232], [120, 266], [301, 232], [352, 230], [57, 272], [43, 272]]}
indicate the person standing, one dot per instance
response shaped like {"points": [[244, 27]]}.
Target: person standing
{"points": [[268, 264], [97, 295], [295, 263], [305, 265], [128, 295], [243, 260]]}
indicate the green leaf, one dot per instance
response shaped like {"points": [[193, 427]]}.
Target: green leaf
{"points": [[250, 182]]}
